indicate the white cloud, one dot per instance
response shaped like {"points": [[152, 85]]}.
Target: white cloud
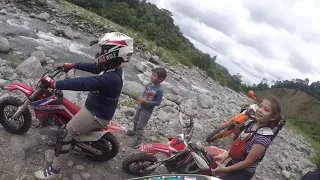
{"points": [[259, 39]]}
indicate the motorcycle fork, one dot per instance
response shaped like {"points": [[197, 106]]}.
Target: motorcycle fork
{"points": [[20, 109], [25, 104]]}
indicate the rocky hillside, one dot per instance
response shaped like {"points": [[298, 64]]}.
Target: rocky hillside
{"points": [[38, 34]]}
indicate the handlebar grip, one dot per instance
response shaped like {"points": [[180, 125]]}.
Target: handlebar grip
{"points": [[60, 67], [66, 70]]}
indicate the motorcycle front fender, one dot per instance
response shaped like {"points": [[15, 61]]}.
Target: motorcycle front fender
{"points": [[153, 148], [25, 89]]}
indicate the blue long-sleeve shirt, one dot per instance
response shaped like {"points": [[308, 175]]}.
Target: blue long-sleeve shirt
{"points": [[105, 89], [153, 94]]}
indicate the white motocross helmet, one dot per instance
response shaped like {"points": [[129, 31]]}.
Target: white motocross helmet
{"points": [[114, 45]]}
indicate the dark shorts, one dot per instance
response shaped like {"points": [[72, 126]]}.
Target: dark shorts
{"points": [[238, 175]]}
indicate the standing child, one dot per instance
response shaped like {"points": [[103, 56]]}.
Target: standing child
{"points": [[150, 98]]}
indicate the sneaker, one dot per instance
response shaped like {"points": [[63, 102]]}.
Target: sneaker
{"points": [[47, 174], [130, 133], [136, 143]]}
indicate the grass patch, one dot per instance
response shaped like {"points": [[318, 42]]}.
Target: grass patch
{"points": [[311, 131], [14, 61]]}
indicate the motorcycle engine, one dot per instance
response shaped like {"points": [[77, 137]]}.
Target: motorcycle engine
{"points": [[47, 120], [173, 166]]}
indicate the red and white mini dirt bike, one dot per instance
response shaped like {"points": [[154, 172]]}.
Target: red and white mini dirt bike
{"points": [[54, 110], [182, 156]]}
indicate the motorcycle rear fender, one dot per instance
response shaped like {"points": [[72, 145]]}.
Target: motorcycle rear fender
{"points": [[91, 136], [96, 134], [153, 148], [25, 89], [114, 127]]}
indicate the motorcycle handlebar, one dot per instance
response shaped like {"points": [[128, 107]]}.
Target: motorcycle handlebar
{"points": [[58, 70], [195, 147], [52, 74], [55, 72]]}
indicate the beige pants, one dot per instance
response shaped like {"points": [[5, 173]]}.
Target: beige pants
{"points": [[81, 123]]}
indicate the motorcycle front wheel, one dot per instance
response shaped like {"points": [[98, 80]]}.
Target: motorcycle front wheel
{"points": [[8, 106], [218, 133], [137, 163]]}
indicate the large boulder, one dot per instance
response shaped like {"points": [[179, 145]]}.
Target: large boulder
{"points": [[4, 45], [40, 55], [205, 101], [154, 59], [174, 98], [141, 67], [132, 89], [30, 68], [3, 83], [43, 16], [67, 32]]}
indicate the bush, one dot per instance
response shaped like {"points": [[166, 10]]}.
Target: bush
{"points": [[316, 159], [14, 61]]}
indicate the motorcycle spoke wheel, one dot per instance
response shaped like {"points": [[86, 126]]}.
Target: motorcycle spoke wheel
{"points": [[108, 145], [8, 112], [8, 107], [219, 132], [137, 164]]}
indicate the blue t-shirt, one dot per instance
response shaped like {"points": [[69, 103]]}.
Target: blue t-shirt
{"points": [[153, 94]]}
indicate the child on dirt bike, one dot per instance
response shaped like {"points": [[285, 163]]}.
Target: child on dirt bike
{"points": [[102, 100], [250, 146], [151, 97]]}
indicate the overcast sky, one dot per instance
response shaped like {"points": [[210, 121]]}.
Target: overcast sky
{"points": [[273, 39]]}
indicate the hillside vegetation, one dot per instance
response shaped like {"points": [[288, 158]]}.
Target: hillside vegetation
{"points": [[313, 89], [157, 26]]}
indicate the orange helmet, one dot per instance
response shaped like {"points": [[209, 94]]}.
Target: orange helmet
{"points": [[251, 95]]}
